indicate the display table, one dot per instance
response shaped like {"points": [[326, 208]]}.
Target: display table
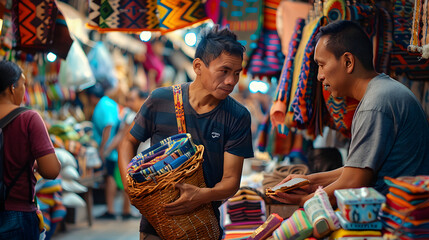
{"points": [[90, 181]]}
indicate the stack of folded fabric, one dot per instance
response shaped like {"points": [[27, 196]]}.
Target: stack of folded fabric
{"points": [[162, 157], [246, 212], [406, 212]]}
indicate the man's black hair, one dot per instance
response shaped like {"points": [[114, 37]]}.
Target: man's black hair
{"points": [[95, 90], [10, 73], [347, 36], [216, 41], [140, 93]]}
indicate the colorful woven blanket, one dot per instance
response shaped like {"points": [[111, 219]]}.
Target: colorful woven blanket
{"points": [[162, 157]]}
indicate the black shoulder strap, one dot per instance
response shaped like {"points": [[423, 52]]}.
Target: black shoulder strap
{"points": [[12, 115]]}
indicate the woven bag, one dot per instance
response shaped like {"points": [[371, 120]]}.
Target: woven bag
{"points": [[150, 197]]}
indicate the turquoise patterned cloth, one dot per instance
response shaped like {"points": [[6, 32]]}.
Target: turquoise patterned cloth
{"points": [[162, 157]]}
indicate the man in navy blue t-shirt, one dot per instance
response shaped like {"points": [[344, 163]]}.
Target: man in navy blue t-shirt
{"points": [[213, 118]]}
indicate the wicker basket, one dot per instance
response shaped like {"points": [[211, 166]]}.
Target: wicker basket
{"points": [[150, 197]]}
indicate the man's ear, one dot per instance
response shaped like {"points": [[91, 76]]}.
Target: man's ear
{"points": [[349, 62], [197, 64]]}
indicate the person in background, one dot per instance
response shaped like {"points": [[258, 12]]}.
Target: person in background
{"points": [[213, 118], [105, 119], [390, 132], [26, 148]]}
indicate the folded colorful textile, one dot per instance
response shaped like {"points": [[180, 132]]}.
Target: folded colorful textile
{"points": [[162, 157]]}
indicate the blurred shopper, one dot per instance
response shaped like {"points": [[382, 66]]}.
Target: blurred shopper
{"points": [[26, 148], [105, 119]]}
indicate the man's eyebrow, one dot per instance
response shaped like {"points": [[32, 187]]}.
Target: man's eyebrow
{"points": [[229, 68]]}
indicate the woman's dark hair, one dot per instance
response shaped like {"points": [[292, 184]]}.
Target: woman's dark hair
{"points": [[347, 36], [216, 41], [10, 73]]}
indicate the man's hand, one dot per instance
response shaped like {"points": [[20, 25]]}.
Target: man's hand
{"points": [[298, 197], [190, 198]]}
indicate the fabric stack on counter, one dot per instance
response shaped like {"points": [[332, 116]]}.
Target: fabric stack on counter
{"points": [[406, 212], [243, 213], [162, 157]]}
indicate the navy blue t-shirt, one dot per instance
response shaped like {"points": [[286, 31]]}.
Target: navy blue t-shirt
{"points": [[224, 129]]}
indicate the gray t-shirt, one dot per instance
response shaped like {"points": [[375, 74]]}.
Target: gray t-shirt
{"points": [[390, 132]]}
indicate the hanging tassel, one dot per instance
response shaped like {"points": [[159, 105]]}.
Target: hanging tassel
{"points": [[425, 51]]}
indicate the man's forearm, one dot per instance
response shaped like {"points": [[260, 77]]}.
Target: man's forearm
{"points": [[221, 191], [325, 178]]}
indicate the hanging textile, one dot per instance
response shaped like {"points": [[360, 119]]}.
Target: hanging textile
{"points": [[212, 8], [419, 41], [33, 23], [144, 15], [281, 100], [244, 19], [267, 59], [123, 15], [401, 60], [175, 14], [304, 68]]}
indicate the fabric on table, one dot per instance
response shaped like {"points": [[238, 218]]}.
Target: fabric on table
{"points": [[418, 184], [267, 228], [297, 227]]}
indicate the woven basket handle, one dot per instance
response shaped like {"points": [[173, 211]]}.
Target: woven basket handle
{"points": [[178, 105]]}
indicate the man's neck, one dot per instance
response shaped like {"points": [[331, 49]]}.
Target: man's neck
{"points": [[360, 85], [200, 99]]}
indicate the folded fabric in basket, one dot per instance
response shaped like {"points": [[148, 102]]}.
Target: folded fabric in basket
{"points": [[162, 157]]}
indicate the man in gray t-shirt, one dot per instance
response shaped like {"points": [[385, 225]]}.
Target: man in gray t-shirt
{"points": [[390, 131]]}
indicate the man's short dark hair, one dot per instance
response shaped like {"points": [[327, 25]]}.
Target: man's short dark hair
{"points": [[140, 93], [347, 36], [95, 90], [216, 41]]}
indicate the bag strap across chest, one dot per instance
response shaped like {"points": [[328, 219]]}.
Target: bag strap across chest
{"points": [[178, 106]]}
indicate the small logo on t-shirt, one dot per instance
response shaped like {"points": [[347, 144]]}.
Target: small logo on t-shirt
{"points": [[215, 135]]}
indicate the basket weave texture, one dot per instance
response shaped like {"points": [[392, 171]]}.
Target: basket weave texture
{"points": [[149, 198]]}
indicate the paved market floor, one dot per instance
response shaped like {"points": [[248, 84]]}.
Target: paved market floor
{"points": [[102, 229]]}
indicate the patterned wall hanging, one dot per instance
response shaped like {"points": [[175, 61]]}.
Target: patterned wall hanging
{"points": [[268, 58], [244, 17], [403, 62], [33, 23], [144, 15]]}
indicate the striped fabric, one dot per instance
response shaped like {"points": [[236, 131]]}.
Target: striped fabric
{"points": [[296, 227], [268, 58], [162, 157], [175, 14]]}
